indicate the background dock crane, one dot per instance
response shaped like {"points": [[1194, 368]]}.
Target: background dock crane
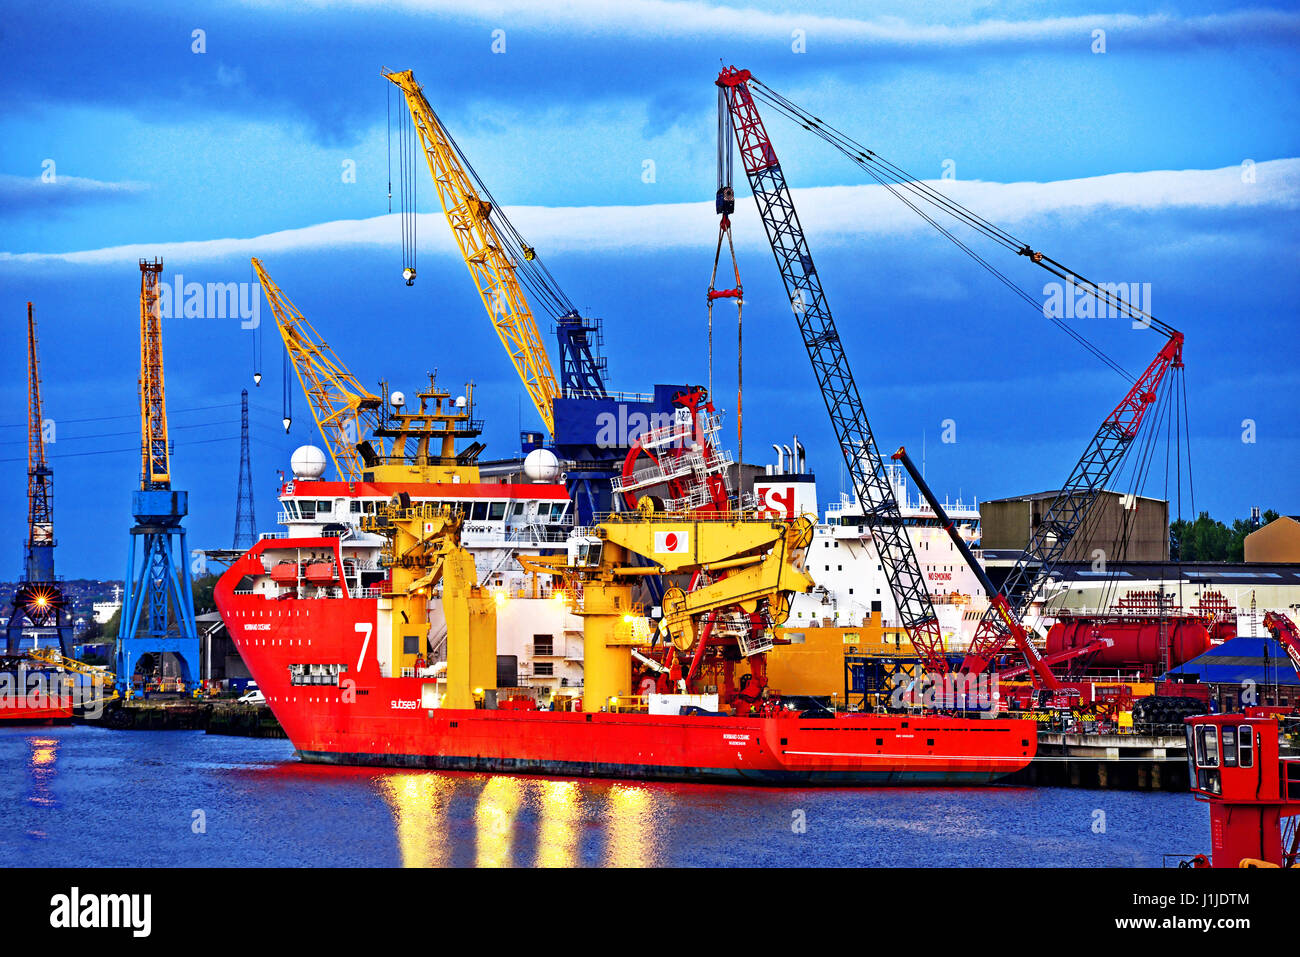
{"points": [[157, 601], [38, 599], [345, 411]]}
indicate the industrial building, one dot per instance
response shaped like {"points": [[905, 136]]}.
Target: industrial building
{"points": [[1243, 584], [1131, 528], [1278, 541]]}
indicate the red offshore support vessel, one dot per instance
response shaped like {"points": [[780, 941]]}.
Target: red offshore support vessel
{"points": [[294, 646], [362, 664]]}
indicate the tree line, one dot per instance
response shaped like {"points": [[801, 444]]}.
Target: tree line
{"points": [[1208, 540]]}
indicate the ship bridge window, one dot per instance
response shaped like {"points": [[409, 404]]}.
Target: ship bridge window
{"points": [[291, 507], [478, 512], [354, 507], [518, 509], [496, 511], [324, 508], [307, 508]]}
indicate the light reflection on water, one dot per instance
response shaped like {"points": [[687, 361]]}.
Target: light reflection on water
{"points": [[558, 830], [516, 821], [42, 767]]}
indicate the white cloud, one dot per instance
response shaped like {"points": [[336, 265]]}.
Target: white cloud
{"points": [[687, 18], [829, 213], [34, 190]]}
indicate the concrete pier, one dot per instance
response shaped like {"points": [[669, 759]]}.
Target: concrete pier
{"points": [[1128, 762], [181, 714]]}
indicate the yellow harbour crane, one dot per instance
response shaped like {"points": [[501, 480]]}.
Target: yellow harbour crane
{"points": [[345, 411], [483, 249]]}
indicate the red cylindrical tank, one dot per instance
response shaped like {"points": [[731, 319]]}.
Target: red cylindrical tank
{"points": [[1135, 641]]}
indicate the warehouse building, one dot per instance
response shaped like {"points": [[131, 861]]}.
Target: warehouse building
{"points": [[1120, 527], [1278, 541]]}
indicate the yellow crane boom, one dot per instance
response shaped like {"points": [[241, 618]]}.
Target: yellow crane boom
{"points": [[484, 253], [155, 471], [345, 411]]}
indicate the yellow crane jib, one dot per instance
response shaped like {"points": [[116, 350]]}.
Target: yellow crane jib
{"points": [[424, 550], [345, 411], [483, 250], [155, 472]]}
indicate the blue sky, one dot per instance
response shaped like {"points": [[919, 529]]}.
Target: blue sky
{"points": [[1126, 165]]}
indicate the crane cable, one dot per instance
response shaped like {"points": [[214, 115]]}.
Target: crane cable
{"points": [[725, 204], [529, 267], [898, 181]]}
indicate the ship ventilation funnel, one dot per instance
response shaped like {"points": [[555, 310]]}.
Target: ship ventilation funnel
{"points": [[780, 459]]}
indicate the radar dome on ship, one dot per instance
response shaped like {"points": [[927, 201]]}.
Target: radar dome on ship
{"points": [[307, 463], [541, 465]]}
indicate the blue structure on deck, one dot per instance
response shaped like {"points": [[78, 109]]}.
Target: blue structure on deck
{"points": [[593, 435], [1243, 662]]}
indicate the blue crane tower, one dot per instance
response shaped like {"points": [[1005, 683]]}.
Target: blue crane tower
{"points": [[157, 604]]}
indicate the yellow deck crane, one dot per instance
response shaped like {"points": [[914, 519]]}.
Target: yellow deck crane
{"points": [[345, 411], [764, 564], [484, 251], [423, 550]]}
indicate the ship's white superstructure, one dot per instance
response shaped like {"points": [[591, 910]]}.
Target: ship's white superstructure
{"points": [[843, 561], [540, 641]]}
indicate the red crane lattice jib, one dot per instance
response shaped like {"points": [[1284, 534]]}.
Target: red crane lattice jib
{"points": [[756, 150], [835, 380], [1128, 414], [1071, 507], [40, 504], [1284, 631]]}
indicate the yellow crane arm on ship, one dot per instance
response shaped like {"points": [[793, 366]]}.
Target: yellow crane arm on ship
{"points": [[483, 250], [345, 411]]}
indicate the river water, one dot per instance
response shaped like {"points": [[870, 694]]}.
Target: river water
{"points": [[77, 796]]}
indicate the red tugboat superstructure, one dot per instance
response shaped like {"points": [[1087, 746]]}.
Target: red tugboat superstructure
{"points": [[1247, 768]]}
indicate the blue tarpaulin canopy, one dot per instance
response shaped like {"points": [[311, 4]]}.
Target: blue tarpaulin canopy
{"points": [[1261, 660]]}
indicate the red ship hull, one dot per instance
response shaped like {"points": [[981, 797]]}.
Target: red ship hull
{"points": [[370, 719], [37, 709], [860, 750]]}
